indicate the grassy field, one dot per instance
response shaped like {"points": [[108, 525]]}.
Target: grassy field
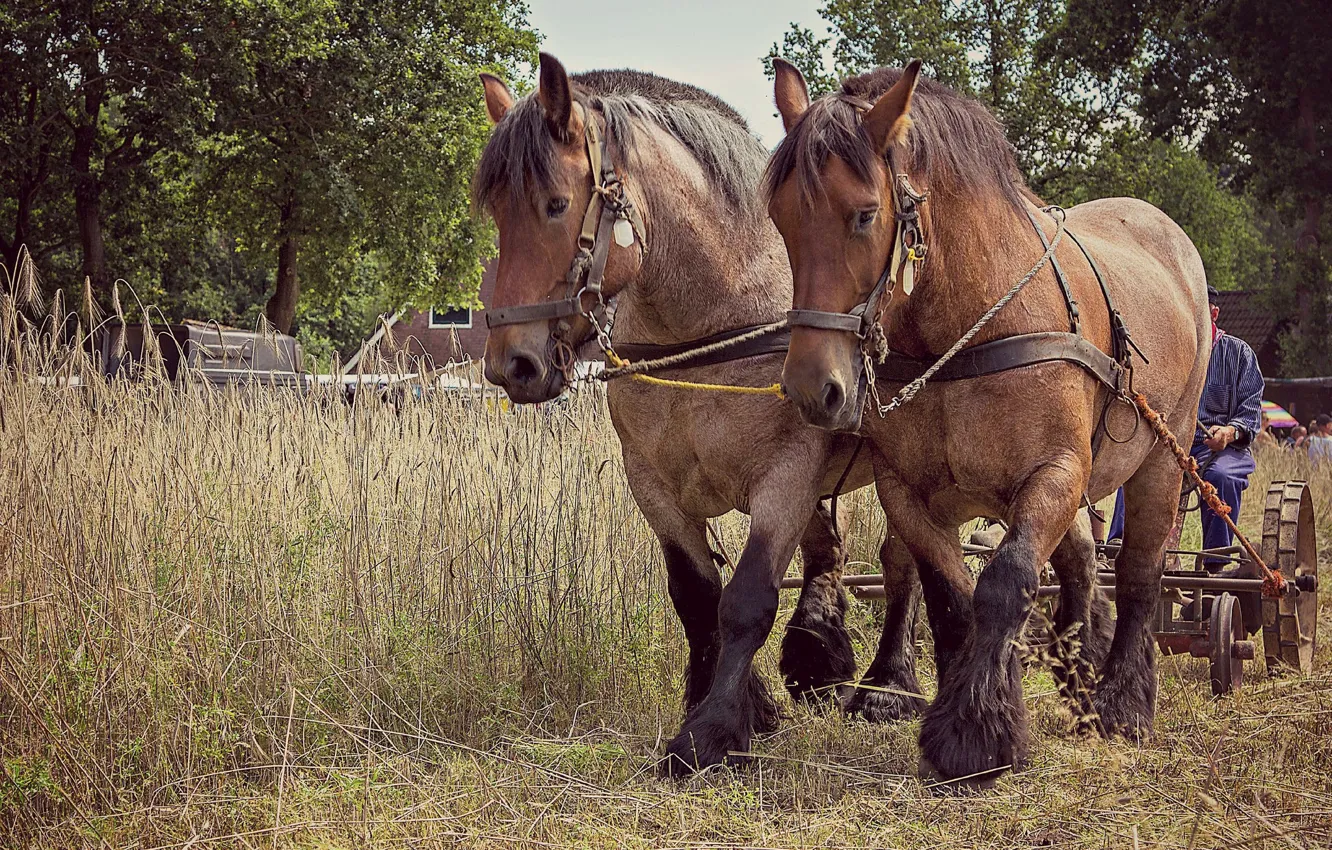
{"points": [[253, 620]]}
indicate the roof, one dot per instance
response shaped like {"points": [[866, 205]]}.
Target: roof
{"points": [[1243, 314]]}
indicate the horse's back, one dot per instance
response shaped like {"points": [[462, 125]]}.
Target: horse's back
{"points": [[1136, 237]]}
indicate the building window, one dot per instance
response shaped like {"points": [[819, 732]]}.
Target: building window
{"points": [[450, 317]]}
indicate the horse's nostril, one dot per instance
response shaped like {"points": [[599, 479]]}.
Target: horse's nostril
{"points": [[522, 369], [832, 396]]}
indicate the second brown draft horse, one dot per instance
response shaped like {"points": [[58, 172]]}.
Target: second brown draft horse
{"points": [[906, 220]]}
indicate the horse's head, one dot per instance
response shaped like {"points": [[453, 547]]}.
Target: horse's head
{"points": [[536, 178], [834, 195]]}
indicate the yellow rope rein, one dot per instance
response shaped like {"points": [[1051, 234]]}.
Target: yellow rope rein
{"points": [[772, 390]]}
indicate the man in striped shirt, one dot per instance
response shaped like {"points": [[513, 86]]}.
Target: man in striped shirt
{"points": [[1229, 417]]}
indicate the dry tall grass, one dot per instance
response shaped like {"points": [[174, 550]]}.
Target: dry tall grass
{"points": [[246, 619]]}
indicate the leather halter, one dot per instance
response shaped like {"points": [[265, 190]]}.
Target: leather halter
{"points": [[908, 248], [607, 205]]}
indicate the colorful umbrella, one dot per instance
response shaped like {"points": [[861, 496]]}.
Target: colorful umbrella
{"points": [[1277, 417]]}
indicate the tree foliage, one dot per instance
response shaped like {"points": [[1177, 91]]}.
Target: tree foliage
{"points": [[352, 132], [1206, 108], [192, 144], [1248, 82]]}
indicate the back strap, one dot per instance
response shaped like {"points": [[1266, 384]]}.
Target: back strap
{"points": [[1008, 353], [1075, 325], [1121, 339]]}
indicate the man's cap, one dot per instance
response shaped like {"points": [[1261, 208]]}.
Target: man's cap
{"points": [[1323, 420], [1211, 294]]}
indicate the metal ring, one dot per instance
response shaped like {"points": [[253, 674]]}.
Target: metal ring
{"points": [[1105, 419]]}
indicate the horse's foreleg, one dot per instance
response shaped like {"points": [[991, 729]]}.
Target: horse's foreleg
{"points": [[817, 658], [738, 706], [977, 727], [1126, 693], [692, 579], [890, 690], [1083, 624]]}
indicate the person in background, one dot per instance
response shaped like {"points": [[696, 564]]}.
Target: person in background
{"points": [[1229, 417], [1320, 440], [1298, 435], [1265, 437]]}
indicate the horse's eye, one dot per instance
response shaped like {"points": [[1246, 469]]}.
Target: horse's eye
{"points": [[865, 219], [556, 207]]}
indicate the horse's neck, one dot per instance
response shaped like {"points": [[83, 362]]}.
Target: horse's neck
{"points": [[704, 272], [685, 293], [977, 250]]}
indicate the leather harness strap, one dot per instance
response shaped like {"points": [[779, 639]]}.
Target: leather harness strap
{"points": [[1030, 349], [1005, 354], [1072, 304]]}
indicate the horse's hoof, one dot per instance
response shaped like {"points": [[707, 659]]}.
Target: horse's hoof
{"points": [[878, 704], [701, 745], [817, 661], [941, 787], [972, 750], [821, 697], [1117, 718]]}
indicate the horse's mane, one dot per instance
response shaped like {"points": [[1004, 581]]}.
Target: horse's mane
{"points": [[955, 145], [520, 156]]}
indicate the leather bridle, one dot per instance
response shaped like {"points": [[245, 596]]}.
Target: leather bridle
{"points": [[607, 207], [908, 249]]}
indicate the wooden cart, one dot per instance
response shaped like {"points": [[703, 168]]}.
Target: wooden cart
{"points": [[1215, 614]]}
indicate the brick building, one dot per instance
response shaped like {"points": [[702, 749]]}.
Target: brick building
{"points": [[1245, 315], [444, 334]]}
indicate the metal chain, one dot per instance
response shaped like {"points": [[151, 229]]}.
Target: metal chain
{"points": [[910, 390]]}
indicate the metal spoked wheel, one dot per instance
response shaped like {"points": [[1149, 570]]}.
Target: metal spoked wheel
{"points": [[1226, 633], [1290, 626]]}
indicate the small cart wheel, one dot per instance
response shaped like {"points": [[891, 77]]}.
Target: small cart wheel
{"points": [[1290, 626], [1226, 634]]}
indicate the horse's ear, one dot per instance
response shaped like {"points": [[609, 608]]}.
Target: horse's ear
{"points": [[889, 120], [556, 98], [790, 92], [498, 97]]}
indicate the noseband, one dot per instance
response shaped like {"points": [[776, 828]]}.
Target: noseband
{"points": [[610, 216]]}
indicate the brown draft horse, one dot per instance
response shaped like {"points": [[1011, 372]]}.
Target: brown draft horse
{"points": [[1028, 445], [707, 260]]}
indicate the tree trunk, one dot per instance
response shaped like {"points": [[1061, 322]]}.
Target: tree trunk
{"points": [[29, 186], [281, 309], [88, 196], [1307, 243]]}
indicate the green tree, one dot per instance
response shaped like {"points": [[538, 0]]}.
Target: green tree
{"points": [[1222, 224], [352, 135], [93, 91], [996, 51], [1248, 80]]}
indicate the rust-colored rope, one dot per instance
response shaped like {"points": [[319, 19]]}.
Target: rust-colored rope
{"points": [[1274, 584]]}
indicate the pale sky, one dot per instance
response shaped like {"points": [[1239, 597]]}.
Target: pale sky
{"points": [[713, 45]]}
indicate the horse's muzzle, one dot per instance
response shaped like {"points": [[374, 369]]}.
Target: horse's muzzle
{"points": [[526, 377], [829, 404]]}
